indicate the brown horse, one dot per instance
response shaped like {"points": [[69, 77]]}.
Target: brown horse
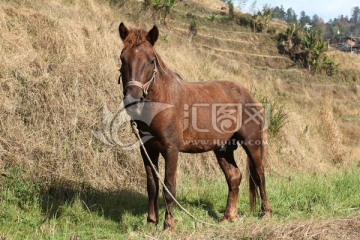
{"points": [[197, 117]]}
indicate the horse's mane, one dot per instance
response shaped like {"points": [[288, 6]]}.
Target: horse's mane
{"points": [[135, 38], [178, 75]]}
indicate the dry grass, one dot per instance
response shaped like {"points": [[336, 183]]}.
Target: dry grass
{"points": [[338, 228], [346, 60], [58, 68], [53, 87], [212, 5], [332, 132]]}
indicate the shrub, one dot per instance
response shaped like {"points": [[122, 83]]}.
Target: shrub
{"points": [[244, 20], [231, 9], [192, 30], [161, 8], [260, 20], [314, 53], [307, 48], [118, 3], [290, 41], [275, 113], [271, 30]]}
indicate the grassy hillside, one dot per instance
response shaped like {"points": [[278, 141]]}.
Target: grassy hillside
{"points": [[59, 68]]}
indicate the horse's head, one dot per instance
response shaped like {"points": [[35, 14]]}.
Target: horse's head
{"points": [[138, 64]]}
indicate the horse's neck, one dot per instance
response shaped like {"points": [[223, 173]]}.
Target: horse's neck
{"points": [[166, 74], [166, 86]]}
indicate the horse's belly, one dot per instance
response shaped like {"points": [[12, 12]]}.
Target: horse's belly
{"points": [[203, 145]]}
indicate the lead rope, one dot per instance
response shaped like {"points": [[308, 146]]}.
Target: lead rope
{"points": [[136, 132], [148, 84], [161, 68]]}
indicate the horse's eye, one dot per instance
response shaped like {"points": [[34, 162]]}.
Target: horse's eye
{"points": [[152, 61]]}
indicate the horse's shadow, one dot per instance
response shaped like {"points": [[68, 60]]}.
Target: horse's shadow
{"points": [[206, 206], [109, 204], [216, 213]]}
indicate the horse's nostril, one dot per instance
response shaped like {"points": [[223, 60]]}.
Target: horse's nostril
{"points": [[128, 99]]}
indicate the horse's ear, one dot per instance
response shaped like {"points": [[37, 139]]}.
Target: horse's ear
{"points": [[153, 35], [123, 31]]}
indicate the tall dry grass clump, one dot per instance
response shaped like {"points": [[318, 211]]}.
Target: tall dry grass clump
{"points": [[332, 133], [58, 68]]}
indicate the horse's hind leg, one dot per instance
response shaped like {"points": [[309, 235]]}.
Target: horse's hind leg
{"points": [[232, 173], [255, 150]]}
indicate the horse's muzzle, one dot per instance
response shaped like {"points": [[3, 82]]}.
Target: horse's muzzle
{"points": [[130, 101]]}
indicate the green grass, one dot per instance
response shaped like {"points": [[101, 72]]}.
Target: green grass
{"points": [[27, 211]]}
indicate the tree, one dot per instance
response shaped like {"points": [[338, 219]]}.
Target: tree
{"points": [[231, 9], [334, 29], [275, 13], [252, 8], [321, 27], [282, 13], [279, 13], [291, 16], [314, 20], [355, 15], [304, 19]]}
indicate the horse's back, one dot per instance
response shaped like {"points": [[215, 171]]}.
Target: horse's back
{"points": [[216, 92]]}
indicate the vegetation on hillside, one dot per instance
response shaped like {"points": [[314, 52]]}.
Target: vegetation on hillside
{"points": [[261, 20], [307, 48], [58, 72], [276, 114], [161, 8], [336, 28], [304, 44]]}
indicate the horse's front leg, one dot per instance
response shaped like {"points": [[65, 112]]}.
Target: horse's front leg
{"points": [[152, 184], [171, 159]]}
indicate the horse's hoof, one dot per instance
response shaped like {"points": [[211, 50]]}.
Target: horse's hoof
{"points": [[168, 227], [169, 224], [151, 220]]}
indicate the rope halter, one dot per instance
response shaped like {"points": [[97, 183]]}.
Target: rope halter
{"points": [[144, 87]]}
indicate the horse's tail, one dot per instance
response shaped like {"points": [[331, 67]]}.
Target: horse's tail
{"points": [[254, 178], [253, 187]]}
